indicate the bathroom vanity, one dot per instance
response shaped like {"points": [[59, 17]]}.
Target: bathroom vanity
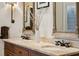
{"points": [[32, 48], [15, 50]]}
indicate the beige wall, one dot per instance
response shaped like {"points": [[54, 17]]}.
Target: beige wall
{"points": [[45, 15], [5, 20]]}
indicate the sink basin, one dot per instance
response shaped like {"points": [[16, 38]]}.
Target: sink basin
{"points": [[55, 48], [47, 46], [52, 49]]}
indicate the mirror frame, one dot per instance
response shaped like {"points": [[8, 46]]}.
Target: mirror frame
{"points": [[54, 17]]}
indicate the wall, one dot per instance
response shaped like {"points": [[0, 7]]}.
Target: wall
{"points": [[5, 20], [45, 17], [16, 28]]}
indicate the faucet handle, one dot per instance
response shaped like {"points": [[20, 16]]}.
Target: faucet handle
{"points": [[57, 43], [67, 44], [63, 41]]}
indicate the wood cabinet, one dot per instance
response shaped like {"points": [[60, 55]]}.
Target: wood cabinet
{"points": [[15, 50]]}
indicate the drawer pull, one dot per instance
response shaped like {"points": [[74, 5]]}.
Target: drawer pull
{"points": [[20, 52]]}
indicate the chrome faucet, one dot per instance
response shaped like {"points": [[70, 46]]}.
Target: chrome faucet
{"points": [[62, 43]]}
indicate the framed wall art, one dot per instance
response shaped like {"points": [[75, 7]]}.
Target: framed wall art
{"points": [[42, 5]]}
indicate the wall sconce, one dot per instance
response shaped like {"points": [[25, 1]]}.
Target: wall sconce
{"points": [[12, 5]]}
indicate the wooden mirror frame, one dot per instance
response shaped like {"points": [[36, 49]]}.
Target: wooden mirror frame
{"points": [[77, 9]]}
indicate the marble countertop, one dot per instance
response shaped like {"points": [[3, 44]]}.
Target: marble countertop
{"points": [[51, 49]]}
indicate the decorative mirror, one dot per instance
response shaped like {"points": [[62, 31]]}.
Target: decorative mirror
{"points": [[65, 20], [65, 17], [28, 16], [28, 20]]}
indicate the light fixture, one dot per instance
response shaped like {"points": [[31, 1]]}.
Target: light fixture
{"points": [[12, 5]]}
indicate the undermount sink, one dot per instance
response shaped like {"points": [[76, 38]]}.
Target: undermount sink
{"points": [[47, 46], [53, 47], [50, 47]]}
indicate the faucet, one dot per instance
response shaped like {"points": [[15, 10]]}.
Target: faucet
{"points": [[62, 43], [24, 37]]}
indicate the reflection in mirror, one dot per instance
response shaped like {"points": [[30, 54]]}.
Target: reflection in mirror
{"points": [[28, 19], [71, 18], [28, 15], [66, 17]]}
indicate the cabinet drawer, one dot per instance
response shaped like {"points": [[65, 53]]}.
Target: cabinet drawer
{"points": [[21, 51]]}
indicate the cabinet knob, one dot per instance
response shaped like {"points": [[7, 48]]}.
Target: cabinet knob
{"points": [[20, 52]]}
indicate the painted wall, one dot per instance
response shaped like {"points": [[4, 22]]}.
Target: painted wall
{"points": [[45, 17], [5, 19], [15, 29]]}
